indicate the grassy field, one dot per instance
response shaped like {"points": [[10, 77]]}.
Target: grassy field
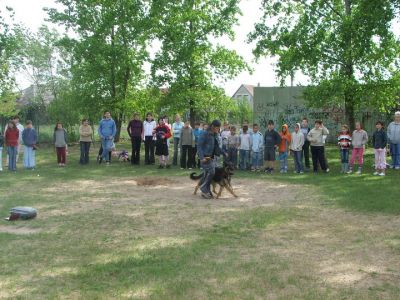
{"points": [[136, 232]]}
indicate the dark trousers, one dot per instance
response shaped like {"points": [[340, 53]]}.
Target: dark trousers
{"points": [[344, 156], [136, 143], [85, 147], [208, 175], [306, 154], [187, 157], [318, 157], [61, 155], [149, 150]]}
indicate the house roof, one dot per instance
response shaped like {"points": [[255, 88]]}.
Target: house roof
{"points": [[248, 87]]}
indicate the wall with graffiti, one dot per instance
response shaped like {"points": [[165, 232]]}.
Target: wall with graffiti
{"points": [[287, 106]]}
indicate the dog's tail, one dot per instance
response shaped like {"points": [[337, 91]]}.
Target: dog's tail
{"points": [[193, 176]]}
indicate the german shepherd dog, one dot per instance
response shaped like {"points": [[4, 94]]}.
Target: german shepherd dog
{"points": [[222, 177]]}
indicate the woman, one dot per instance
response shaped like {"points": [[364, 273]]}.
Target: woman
{"points": [[393, 133], [85, 139], [11, 140], [60, 143]]}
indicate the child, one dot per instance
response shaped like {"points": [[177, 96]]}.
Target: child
{"points": [[316, 138], [12, 137], [296, 146], [244, 148], [60, 142], [271, 140], [196, 132], [379, 141], [186, 144], [162, 133], [344, 142], [257, 142], [29, 138], [1, 151], [284, 148], [85, 139], [359, 140], [232, 146]]}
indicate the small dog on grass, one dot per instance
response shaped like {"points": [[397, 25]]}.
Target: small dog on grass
{"points": [[222, 177]]}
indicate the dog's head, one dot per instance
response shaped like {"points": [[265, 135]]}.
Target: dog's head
{"points": [[229, 167]]}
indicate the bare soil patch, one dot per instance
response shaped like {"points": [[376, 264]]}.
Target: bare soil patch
{"points": [[19, 230]]}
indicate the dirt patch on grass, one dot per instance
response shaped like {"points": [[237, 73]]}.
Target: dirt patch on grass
{"points": [[153, 181], [19, 230]]}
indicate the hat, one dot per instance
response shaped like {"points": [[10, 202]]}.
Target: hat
{"points": [[216, 123], [397, 113]]}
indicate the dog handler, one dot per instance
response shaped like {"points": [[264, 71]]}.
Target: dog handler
{"points": [[208, 149]]}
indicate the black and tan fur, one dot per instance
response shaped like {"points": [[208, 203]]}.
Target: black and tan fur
{"points": [[222, 177]]}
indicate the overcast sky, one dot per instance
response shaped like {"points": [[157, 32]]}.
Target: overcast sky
{"points": [[30, 13]]}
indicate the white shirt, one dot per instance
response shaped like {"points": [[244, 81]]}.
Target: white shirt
{"points": [[148, 128]]}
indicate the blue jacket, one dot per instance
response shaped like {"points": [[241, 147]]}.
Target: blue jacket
{"points": [[107, 128], [207, 145], [257, 142], [379, 139], [29, 137]]}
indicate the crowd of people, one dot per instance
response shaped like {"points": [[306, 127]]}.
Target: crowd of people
{"points": [[245, 148]]}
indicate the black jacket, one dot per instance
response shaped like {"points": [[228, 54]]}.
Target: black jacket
{"points": [[379, 139], [271, 138]]}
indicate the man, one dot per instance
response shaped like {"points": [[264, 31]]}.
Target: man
{"points": [[306, 146], [135, 131], [316, 139], [393, 133], [107, 130], [208, 149], [149, 139], [176, 132]]}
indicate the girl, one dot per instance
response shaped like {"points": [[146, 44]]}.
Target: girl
{"points": [[29, 138], [344, 142], [379, 141], [12, 137], [360, 139], [162, 134], [284, 148], [60, 142], [245, 145], [85, 133]]}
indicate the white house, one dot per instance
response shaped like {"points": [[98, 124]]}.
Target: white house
{"points": [[245, 91]]}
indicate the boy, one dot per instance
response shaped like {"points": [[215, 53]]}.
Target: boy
{"points": [[316, 139], [244, 148], [257, 142], [284, 148], [296, 146], [29, 138], [224, 137], [271, 141], [149, 139], [233, 145], [306, 147], [186, 144]]}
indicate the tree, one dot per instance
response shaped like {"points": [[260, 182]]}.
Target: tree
{"points": [[241, 111], [188, 62], [345, 47], [108, 50]]}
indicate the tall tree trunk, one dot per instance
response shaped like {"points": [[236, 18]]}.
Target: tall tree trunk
{"points": [[349, 68], [119, 118]]}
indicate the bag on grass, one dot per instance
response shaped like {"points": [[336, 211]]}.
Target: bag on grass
{"points": [[21, 212]]}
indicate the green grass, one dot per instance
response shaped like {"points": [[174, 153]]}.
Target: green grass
{"points": [[100, 241]]}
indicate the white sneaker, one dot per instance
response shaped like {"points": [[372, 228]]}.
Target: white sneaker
{"points": [[376, 173], [1, 169], [358, 172], [349, 172], [381, 174]]}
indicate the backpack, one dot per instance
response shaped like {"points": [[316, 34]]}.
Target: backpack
{"points": [[21, 212]]}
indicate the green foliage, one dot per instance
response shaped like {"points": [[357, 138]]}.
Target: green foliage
{"points": [[241, 111], [188, 62], [347, 49], [107, 53], [8, 105]]}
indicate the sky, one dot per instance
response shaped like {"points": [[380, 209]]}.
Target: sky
{"points": [[31, 14]]}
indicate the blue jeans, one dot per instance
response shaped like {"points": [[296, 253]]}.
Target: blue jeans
{"points": [[257, 160], [1, 158], [12, 157], [244, 159], [208, 174], [29, 157], [298, 161], [283, 158], [232, 156], [344, 156], [176, 150], [106, 144], [395, 152]]}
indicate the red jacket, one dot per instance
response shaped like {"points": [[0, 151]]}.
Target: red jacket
{"points": [[11, 137]]}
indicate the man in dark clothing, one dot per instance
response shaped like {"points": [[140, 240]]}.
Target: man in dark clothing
{"points": [[208, 149], [135, 131], [271, 141], [305, 129]]}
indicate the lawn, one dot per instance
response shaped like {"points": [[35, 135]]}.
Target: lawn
{"points": [[112, 232]]}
